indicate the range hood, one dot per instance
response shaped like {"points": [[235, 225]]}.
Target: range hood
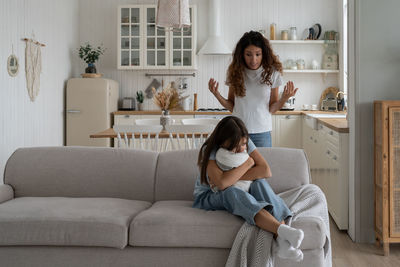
{"points": [[214, 45]]}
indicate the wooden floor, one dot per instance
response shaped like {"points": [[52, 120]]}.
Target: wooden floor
{"points": [[346, 253]]}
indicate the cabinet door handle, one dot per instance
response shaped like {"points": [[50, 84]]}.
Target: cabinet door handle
{"points": [[73, 111], [331, 132], [334, 157], [287, 117], [311, 138], [126, 116], [328, 152]]}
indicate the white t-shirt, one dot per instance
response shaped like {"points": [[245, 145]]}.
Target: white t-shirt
{"points": [[253, 108]]}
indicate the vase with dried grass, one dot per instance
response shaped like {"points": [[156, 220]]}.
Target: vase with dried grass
{"points": [[167, 99]]}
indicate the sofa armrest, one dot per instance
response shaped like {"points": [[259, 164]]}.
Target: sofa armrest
{"points": [[6, 193], [315, 232]]}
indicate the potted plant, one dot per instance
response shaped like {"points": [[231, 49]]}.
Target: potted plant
{"points": [[90, 55], [139, 99]]}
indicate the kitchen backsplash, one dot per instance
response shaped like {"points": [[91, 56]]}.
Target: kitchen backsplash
{"points": [[285, 14]]}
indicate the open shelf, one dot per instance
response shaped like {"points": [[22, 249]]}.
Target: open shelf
{"points": [[310, 71], [297, 41]]}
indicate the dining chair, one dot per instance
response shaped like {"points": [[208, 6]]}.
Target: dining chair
{"points": [[190, 141], [123, 131]]}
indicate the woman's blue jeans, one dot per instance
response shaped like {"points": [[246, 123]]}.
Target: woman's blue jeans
{"points": [[245, 204], [261, 139]]}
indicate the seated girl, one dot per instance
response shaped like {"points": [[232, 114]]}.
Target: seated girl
{"points": [[260, 205]]}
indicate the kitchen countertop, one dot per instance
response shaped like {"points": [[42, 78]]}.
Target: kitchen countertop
{"points": [[337, 124]]}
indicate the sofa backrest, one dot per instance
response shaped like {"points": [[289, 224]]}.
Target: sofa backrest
{"points": [[82, 172], [177, 171], [176, 174]]}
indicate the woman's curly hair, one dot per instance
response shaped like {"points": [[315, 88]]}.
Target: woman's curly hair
{"points": [[270, 62]]}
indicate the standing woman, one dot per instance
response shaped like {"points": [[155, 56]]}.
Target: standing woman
{"points": [[254, 77]]}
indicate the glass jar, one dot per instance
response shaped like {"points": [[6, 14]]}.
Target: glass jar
{"points": [[289, 64], [284, 34], [293, 33], [301, 64], [272, 28]]}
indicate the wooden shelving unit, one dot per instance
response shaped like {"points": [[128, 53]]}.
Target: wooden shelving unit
{"points": [[387, 172]]}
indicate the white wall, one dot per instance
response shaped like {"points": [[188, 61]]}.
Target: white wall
{"points": [[40, 123], [98, 24], [377, 68]]}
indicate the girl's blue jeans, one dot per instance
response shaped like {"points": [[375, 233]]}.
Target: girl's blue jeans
{"points": [[261, 139], [245, 204]]}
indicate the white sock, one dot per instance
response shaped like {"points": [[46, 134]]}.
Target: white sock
{"points": [[294, 236], [286, 251]]}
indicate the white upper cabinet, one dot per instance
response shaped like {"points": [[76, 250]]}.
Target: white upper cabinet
{"points": [[141, 45]]}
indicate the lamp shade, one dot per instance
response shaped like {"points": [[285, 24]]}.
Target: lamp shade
{"points": [[173, 14]]}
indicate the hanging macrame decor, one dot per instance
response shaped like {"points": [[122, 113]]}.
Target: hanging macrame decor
{"points": [[173, 14], [33, 67]]}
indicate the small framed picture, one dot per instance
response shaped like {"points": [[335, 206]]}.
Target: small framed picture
{"points": [[12, 65]]}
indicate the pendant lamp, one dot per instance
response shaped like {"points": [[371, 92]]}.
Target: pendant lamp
{"points": [[173, 14]]}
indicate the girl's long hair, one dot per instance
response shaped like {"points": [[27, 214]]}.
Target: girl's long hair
{"points": [[229, 131], [236, 70]]}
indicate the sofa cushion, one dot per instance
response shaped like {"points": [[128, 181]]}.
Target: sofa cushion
{"points": [[177, 224], [67, 221], [82, 172], [185, 171]]}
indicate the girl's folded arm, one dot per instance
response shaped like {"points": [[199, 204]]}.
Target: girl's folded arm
{"points": [[224, 179], [260, 169]]}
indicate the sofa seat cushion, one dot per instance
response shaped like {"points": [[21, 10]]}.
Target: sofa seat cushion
{"points": [[63, 221], [176, 224]]}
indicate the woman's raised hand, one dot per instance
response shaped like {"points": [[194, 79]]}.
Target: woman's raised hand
{"points": [[289, 90], [213, 86]]}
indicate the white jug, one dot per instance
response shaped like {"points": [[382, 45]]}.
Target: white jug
{"points": [[186, 103]]}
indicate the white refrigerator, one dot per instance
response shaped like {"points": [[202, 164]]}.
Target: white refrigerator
{"points": [[89, 106]]}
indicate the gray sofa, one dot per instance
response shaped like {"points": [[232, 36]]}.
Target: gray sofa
{"points": [[79, 206]]}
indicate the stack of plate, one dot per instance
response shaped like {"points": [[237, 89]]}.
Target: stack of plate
{"points": [[312, 33]]}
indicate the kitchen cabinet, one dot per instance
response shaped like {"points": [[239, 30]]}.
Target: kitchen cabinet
{"points": [[141, 45], [287, 131], [334, 176], [309, 141], [387, 172], [327, 151]]}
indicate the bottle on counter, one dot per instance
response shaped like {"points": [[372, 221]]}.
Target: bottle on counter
{"points": [[195, 102]]}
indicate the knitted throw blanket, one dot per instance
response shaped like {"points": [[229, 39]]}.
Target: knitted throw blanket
{"points": [[254, 247]]}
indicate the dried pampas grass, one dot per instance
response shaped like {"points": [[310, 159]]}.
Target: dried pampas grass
{"points": [[166, 99]]}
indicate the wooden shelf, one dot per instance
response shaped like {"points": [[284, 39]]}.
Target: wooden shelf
{"points": [[310, 71]]}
